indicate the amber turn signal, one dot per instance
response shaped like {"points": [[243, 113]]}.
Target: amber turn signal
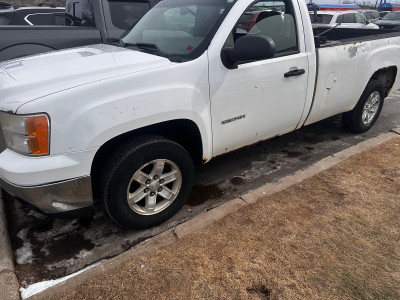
{"points": [[38, 134]]}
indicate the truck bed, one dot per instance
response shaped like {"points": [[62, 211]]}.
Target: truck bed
{"points": [[341, 55], [340, 36]]}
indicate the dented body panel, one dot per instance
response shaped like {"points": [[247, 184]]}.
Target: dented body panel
{"points": [[344, 71]]}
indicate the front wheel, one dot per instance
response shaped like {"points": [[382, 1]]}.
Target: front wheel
{"points": [[367, 110], [147, 181]]}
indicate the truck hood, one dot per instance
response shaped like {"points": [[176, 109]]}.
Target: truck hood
{"points": [[29, 78]]}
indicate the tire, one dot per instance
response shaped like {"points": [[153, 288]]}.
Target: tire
{"points": [[146, 182], [367, 110]]}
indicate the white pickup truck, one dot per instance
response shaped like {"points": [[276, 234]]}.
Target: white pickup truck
{"points": [[188, 82]]}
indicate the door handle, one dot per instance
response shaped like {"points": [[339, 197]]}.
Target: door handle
{"points": [[295, 72]]}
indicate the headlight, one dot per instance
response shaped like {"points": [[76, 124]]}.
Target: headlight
{"points": [[26, 134]]}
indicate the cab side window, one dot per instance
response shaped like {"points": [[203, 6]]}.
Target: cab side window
{"points": [[360, 19], [369, 16], [274, 19], [349, 18]]}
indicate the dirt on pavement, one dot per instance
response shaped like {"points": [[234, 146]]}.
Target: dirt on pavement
{"points": [[333, 236]]}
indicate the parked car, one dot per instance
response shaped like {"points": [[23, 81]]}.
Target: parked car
{"points": [[370, 14], [345, 19], [391, 20], [125, 124], [31, 15], [84, 22]]}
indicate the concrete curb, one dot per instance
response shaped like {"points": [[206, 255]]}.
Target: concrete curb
{"points": [[396, 130], [197, 223], [9, 286]]}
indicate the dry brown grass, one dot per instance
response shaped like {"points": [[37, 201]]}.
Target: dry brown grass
{"points": [[333, 236]]}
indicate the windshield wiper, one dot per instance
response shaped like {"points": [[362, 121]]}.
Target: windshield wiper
{"points": [[145, 47], [120, 43]]}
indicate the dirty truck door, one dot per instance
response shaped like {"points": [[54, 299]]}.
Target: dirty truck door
{"points": [[263, 98]]}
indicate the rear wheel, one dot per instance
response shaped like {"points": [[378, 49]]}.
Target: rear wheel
{"points": [[147, 181], [367, 110]]}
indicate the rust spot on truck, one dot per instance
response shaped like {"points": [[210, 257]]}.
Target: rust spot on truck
{"points": [[353, 51]]}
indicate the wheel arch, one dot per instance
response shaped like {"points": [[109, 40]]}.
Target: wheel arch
{"points": [[387, 77], [183, 131]]}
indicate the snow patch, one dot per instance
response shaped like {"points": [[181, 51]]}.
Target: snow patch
{"points": [[36, 215], [24, 254], [44, 285], [83, 253]]}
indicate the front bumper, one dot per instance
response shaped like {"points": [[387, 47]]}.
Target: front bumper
{"points": [[55, 198]]}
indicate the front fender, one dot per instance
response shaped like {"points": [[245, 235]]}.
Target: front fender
{"points": [[88, 116]]}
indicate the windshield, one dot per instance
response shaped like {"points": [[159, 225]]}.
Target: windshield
{"points": [[178, 29], [392, 16]]}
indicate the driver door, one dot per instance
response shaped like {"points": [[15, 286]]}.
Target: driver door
{"points": [[258, 100]]}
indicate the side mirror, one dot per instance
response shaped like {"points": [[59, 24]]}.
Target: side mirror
{"points": [[248, 48], [367, 22]]}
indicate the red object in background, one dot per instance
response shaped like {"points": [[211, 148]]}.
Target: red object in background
{"points": [[248, 20]]}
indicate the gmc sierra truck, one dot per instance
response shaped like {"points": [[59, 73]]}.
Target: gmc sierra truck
{"points": [[126, 124], [84, 22]]}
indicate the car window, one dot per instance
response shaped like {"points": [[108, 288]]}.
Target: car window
{"points": [[360, 19], [177, 21], [178, 29], [124, 14], [375, 15], [322, 19], [339, 19], [45, 19], [349, 18], [274, 19], [383, 13], [368, 15], [392, 16], [80, 12]]}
